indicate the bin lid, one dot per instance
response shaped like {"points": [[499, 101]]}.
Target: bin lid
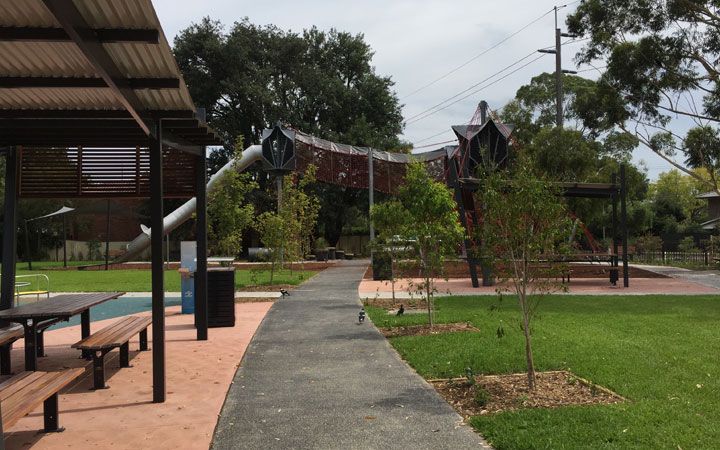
{"points": [[221, 269]]}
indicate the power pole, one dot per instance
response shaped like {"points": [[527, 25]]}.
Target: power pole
{"points": [[558, 69], [558, 77]]}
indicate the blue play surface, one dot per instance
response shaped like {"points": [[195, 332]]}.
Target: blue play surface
{"points": [[119, 307]]}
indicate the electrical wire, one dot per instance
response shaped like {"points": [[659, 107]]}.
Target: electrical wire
{"points": [[474, 58], [445, 130], [431, 111], [484, 80]]}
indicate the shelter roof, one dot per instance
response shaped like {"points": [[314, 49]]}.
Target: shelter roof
{"points": [[589, 190], [711, 194], [91, 72]]}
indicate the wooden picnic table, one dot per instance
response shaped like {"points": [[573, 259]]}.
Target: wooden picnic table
{"points": [[40, 315]]}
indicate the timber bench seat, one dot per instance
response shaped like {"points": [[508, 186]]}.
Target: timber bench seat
{"points": [[21, 394], [9, 333], [113, 336]]}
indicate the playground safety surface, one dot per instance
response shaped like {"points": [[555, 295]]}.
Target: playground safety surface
{"points": [[123, 416]]}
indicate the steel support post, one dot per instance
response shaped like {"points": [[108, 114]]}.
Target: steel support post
{"points": [[7, 286], [201, 299], [156, 245]]}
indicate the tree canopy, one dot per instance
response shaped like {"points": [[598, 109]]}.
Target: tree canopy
{"points": [[661, 69], [250, 76], [424, 217]]}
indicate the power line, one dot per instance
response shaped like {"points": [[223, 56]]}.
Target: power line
{"points": [[429, 112], [520, 30], [433, 136], [410, 119]]}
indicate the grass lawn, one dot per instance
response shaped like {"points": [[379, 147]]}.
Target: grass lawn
{"points": [[139, 280], [659, 352]]}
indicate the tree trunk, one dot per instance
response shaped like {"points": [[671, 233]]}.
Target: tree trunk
{"points": [[427, 298], [272, 271], [528, 343]]}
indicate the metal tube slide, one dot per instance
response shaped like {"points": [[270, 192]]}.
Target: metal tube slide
{"points": [[185, 212]]}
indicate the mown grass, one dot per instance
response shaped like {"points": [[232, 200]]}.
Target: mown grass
{"points": [[659, 352], [139, 280]]}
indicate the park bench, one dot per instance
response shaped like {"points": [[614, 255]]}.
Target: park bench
{"points": [[113, 336], [9, 333], [21, 394]]}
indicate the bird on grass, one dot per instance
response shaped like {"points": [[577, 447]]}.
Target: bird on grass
{"points": [[284, 293], [400, 311]]}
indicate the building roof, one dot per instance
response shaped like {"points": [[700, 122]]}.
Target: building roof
{"points": [[104, 64], [711, 194]]}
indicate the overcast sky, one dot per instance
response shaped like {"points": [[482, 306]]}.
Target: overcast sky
{"points": [[416, 42]]}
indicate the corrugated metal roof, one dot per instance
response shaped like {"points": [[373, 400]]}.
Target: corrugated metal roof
{"points": [[64, 59], [44, 98]]}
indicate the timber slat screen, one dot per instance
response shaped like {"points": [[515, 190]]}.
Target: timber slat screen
{"points": [[101, 173]]}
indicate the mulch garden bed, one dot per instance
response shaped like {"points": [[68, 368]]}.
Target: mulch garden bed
{"points": [[424, 330], [495, 393], [390, 304], [268, 288]]}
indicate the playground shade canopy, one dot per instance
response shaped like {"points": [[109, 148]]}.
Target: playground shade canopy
{"points": [[93, 104]]}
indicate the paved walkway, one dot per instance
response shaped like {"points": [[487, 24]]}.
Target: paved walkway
{"points": [[314, 378], [710, 278]]}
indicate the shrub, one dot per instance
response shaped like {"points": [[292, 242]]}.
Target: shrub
{"points": [[482, 396]]}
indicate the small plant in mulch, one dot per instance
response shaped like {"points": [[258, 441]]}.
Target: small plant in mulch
{"points": [[424, 330], [482, 396], [495, 393], [390, 304]]}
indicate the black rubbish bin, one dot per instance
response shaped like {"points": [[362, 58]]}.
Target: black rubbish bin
{"points": [[221, 297]]}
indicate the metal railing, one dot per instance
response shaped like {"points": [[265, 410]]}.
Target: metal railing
{"points": [[698, 258], [36, 284]]}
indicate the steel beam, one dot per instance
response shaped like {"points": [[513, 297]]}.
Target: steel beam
{"points": [[103, 35], [72, 21], [92, 114], [86, 82]]}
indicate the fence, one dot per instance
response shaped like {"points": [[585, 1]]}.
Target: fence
{"points": [[697, 258]]}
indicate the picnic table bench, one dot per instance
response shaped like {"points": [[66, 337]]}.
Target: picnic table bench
{"points": [[9, 333], [36, 317], [113, 336], [21, 394]]}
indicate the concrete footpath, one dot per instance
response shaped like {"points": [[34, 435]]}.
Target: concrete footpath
{"points": [[313, 377]]}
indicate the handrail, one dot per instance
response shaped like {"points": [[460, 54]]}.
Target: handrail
{"points": [[37, 289]]}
